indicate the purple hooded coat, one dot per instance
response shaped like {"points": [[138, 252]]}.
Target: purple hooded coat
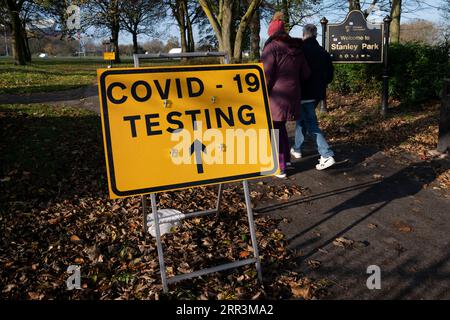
{"points": [[286, 68]]}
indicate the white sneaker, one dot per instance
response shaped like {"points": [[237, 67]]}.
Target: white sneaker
{"points": [[281, 175], [325, 163], [295, 154]]}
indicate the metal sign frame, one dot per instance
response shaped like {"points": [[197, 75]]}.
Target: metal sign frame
{"points": [[154, 208], [153, 56], [240, 175]]}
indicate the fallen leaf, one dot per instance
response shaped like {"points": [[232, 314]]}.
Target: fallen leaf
{"points": [[79, 260], [301, 292], [35, 295], [244, 254], [403, 227], [343, 242], [8, 288], [75, 239], [314, 264]]}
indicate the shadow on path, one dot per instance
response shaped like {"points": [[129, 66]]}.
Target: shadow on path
{"points": [[379, 193]]}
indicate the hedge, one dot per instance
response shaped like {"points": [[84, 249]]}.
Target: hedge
{"points": [[416, 73]]}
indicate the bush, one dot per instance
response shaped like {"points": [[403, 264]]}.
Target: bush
{"points": [[363, 79], [416, 73]]}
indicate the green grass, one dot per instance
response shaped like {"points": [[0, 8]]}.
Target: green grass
{"points": [[46, 75], [57, 74]]}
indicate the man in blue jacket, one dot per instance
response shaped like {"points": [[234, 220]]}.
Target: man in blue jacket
{"points": [[314, 91]]}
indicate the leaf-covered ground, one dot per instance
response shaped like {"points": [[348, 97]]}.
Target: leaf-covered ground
{"points": [[54, 210], [55, 213], [405, 128], [406, 132]]}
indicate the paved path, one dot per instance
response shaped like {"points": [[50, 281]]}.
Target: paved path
{"points": [[85, 97], [391, 211]]}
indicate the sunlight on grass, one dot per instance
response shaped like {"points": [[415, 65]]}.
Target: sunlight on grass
{"points": [[56, 74], [43, 76]]}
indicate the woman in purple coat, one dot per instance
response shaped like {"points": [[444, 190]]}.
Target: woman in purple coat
{"points": [[285, 68]]}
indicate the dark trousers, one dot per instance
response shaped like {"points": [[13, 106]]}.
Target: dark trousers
{"points": [[283, 143]]}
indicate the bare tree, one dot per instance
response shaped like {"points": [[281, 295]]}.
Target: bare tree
{"points": [[294, 11], [229, 22], [14, 8], [255, 29], [186, 13], [421, 31], [105, 14], [154, 46], [396, 12], [139, 17]]}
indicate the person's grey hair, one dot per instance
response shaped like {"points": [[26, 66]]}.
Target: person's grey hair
{"points": [[309, 31]]}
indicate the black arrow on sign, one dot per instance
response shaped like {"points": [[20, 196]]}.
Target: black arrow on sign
{"points": [[198, 148]]}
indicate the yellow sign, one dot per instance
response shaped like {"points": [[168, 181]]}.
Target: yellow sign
{"points": [[110, 56], [169, 128]]}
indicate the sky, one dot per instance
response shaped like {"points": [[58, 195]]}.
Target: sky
{"points": [[428, 12]]}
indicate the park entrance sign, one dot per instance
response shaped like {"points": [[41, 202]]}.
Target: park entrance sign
{"points": [[176, 127], [355, 40]]}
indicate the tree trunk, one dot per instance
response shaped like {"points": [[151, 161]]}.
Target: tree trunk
{"points": [[395, 25], [115, 27], [135, 42], [186, 24], [227, 21], [115, 42], [26, 42], [180, 14], [18, 41], [27, 47], [285, 10], [190, 40], [223, 23], [444, 123], [255, 29], [190, 34], [243, 25], [183, 40]]}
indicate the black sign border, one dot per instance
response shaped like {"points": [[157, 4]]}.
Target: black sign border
{"points": [[106, 127], [327, 40]]}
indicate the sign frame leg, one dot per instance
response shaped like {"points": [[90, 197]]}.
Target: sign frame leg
{"points": [[219, 198], [252, 228], [162, 265]]}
